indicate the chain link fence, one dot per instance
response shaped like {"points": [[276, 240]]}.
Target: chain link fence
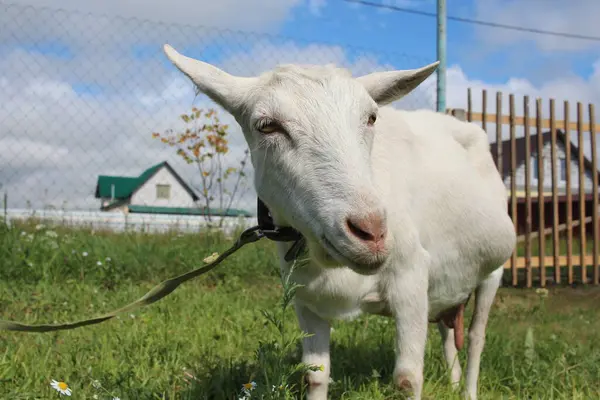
{"points": [[82, 94]]}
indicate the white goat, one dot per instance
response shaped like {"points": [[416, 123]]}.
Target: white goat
{"points": [[404, 212]]}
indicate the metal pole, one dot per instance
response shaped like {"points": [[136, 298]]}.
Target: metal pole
{"points": [[441, 56]]}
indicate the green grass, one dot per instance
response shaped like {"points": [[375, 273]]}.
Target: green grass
{"points": [[211, 336]]}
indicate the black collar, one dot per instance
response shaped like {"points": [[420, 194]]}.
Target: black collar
{"points": [[279, 233]]}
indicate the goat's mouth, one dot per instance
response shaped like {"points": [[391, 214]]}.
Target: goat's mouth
{"points": [[362, 265]]}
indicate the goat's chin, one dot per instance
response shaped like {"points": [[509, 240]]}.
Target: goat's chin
{"points": [[323, 257], [331, 258]]}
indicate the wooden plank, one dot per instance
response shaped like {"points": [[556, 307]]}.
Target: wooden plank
{"points": [[513, 181], [521, 263], [569, 202], [540, 178], [581, 204], [519, 121], [547, 231], [592, 118], [528, 208], [499, 132], [555, 213]]}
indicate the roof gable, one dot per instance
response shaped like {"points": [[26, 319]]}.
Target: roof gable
{"points": [[125, 187]]}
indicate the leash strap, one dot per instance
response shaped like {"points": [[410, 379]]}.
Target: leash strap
{"points": [[279, 233], [158, 292]]}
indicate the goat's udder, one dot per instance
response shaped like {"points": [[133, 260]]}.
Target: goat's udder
{"points": [[454, 318]]}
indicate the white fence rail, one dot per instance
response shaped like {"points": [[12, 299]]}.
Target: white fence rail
{"points": [[118, 221]]}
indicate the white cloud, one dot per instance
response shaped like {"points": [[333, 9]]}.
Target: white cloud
{"points": [[575, 16], [244, 15]]}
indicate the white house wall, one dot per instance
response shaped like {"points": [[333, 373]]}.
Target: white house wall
{"points": [[146, 195], [520, 174]]}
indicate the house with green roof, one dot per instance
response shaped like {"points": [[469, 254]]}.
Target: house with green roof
{"points": [[157, 190]]}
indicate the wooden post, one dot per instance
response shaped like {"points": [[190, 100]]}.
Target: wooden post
{"points": [[582, 233], [596, 233], [513, 182], [5, 206], [569, 205], [499, 132], [528, 207], [469, 105], [554, 159], [540, 198], [484, 109]]}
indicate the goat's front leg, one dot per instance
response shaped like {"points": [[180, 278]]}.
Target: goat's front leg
{"points": [[408, 300], [315, 351]]}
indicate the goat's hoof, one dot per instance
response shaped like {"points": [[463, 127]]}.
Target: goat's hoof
{"points": [[405, 384], [405, 381], [317, 387]]}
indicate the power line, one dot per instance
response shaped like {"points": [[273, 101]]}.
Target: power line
{"points": [[477, 22]]}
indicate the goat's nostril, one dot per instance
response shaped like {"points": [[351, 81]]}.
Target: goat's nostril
{"points": [[358, 231], [369, 229]]}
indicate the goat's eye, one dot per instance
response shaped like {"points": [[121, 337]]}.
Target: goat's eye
{"points": [[372, 119], [268, 127]]}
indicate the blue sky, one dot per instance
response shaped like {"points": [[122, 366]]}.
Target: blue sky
{"points": [[415, 35]]}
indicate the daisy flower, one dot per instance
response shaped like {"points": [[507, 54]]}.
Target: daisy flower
{"points": [[249, 385], [61, 387]]}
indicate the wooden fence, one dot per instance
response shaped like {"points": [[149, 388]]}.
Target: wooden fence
{"points": [[556, 220]]}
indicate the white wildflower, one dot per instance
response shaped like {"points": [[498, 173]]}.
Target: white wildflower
{"points": [[61, 387]]}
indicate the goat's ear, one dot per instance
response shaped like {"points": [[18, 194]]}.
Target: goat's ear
{"points": [[225, 89], [387, 87]]}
